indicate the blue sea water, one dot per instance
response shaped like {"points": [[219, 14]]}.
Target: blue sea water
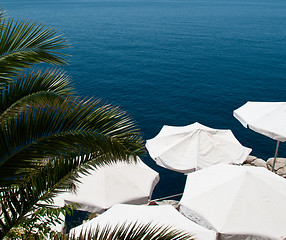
{"points": [[173, 62]]}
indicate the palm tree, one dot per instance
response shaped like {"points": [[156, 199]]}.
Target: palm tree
{"points": [[47, 134]]}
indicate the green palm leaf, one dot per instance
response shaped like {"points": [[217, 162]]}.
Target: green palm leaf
{"points": [[28, 88], [61, 129], [20, 205], [23, 44], [2, 17], [132, 231], [47, 135]]}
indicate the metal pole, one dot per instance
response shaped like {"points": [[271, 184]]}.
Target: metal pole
{"points": [[163, 198], [275, 156]]}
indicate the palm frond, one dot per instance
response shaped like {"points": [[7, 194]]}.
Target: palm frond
{"points": [[2, 17], [21, 205], [23, 44], [131, 231], [47, 135], [18, 210], [48, 147], [49, 131], [28, 88]]}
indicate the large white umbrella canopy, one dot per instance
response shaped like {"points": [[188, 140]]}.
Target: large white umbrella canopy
{"points": [[195, 146], [160, 215], [239, 202], [119, 182], [267, 118]]}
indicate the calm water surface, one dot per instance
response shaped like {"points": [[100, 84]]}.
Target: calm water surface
{"points": [[173, 62]]}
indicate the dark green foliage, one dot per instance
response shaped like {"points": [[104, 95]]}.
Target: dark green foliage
{"points": [[23, 44], [133, 231], [47, 134]]}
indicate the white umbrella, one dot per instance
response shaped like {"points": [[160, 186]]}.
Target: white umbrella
{"points": [[267, 118], [162, 215], [239, 202], [110, 184], [186, 148]]}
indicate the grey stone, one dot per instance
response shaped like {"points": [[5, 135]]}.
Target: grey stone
{"points": [[259, 163], [249, 159], [280, 166], [173, 203], [254, 161]]}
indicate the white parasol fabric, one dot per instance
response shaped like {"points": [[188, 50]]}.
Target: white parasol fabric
{"points": [[110, 184], [195, 146], [160, 215], [267, 118], [239, 202]]}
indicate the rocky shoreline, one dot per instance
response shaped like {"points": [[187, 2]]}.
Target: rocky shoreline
{"points": [[280, 165]]}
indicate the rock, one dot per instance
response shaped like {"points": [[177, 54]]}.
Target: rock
{"points": [[254, 161], [173, 203], [249, 159], [259, 163], [280, 166]]}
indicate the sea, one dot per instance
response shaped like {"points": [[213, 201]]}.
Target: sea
{"points": [[173, 62]]}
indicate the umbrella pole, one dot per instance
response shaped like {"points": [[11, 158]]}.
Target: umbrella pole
{"points": [[275, 156]]}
